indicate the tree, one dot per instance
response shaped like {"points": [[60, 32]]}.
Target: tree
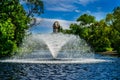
{"points": [[75, 29], [14, 22], [95, 34], [7, 45], [99, 36], [116, 15], [109, 19], [34, 7], [113, 20], [13, 25], [83, 28], [86, 19], [116, 26]]}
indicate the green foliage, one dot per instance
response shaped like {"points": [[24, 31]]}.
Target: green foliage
{"points": [[86, 19], [14, 22], [13, 25], [103, 35], [109, 19], [75, 29], [34, 7], [97, 34], [116, 15], [114, 20], [7, 45]]}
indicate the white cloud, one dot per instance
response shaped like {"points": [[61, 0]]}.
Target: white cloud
{"points": [[60, 9], [47, 24], [60, 5], [77, 11], [65, 5], [85, 2]]}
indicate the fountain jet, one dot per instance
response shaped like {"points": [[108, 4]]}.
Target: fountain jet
{"points": [[60, 46]]}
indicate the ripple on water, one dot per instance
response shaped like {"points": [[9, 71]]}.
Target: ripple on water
{"points": [[104, 70]]}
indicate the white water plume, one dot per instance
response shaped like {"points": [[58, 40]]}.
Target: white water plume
{"points": [[60, 46]]}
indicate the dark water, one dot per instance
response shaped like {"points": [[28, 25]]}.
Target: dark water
{"points": [[88, 71]]}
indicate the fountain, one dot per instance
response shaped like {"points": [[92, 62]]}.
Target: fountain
{"points": [[60, 45], [54, 48]]}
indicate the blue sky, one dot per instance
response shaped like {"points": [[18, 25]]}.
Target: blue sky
{"points": [[67, 11]]}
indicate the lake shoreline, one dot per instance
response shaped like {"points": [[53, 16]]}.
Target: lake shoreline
{"points": [[109, 53]]}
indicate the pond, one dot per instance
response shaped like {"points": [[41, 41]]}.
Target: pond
{"points": [[109, 70]]}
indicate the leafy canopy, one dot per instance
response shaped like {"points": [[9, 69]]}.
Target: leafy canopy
{"points": [[86, 19], [14, 22]]}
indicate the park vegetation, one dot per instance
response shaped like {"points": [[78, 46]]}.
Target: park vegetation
{"points": [[14, 21], [103, 35]]}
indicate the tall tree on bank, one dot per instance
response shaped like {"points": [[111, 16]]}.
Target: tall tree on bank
{"points": [[94, 32], [13, 25], [85, 20], [116, 15], [114, 22]]}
